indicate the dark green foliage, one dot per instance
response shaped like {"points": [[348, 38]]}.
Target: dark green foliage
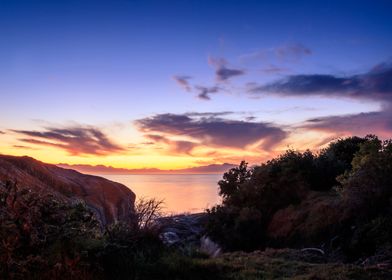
{"points": [[43, 237], [371, 238], [333, 161], [234, 224], [129, 251], [230, 185], [367, 189], [360, 168]]}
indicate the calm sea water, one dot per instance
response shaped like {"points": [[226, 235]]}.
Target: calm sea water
{"points": [[181, 193]]}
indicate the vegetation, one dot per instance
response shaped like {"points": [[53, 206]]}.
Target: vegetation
{"points": [[352, 178], [42, 237], [332, 208]]}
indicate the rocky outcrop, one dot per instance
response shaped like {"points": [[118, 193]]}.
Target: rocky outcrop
{"points": [[187, 232], [109, 200]]}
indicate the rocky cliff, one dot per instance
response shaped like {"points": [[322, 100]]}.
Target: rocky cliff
{"points": [[109, 200]]}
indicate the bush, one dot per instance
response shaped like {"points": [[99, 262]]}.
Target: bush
{"points": [[361, 168], [44, 237]]}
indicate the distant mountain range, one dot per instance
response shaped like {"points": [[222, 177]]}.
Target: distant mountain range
{"points": [[102, 169]]}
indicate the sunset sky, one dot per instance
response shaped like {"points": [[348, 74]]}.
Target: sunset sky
{"points": [[177, 84]]}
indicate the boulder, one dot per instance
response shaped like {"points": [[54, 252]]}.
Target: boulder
{"points": [[110, 201]]}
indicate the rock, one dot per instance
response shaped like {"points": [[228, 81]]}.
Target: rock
{"points": [[209, 247], [109, 200], [186, 232], [169, 238]]}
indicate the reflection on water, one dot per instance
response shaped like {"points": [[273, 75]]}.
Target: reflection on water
{"points": [[181, 193]]}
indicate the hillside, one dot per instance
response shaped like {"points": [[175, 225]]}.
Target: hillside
{"points": [[109, 200]]}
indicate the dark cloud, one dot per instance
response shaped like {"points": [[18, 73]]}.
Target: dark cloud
{"points": [[379, 123], [183, 81], [213, 131], [204, 92], [223, 73], [209, 114], [23, 147], [156, 137], [201, 91], [2, 132], [182, 147], [176, 146], [250, 118], [375, 84], [75, 140]]}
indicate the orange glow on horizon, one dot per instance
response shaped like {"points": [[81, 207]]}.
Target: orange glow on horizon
{"points": [[164, 159]]}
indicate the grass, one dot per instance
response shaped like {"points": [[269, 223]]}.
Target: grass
{"points": [[269, 264]]}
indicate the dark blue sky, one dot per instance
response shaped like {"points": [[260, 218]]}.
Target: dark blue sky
{"points": [[105, 62]]}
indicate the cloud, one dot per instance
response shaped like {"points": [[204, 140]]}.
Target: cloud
{"points": [[274, 70], [76, 140], [212, 131], [23, 147], [217, 62], [2, 132], [376, 84], [224, 73], [182, 147], [183, 82], [176, 146], [209, 114], [379, 123], [204, 92], [287, 53]]}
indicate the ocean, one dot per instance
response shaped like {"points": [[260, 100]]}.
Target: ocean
{"points": [[182, 193]]}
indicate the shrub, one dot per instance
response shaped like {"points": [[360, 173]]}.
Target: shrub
{"points": [[360, 167], [42, 235]]}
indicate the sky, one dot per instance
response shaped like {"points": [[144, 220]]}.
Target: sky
{"points": [[178, 84]]}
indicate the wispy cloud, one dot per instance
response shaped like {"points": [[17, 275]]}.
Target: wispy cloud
{"points": [[210, 114], [379, 123], [287, 53], [204, 92], [23, 147], [271, 69], [76, 140], [175, 146], [183, 82], [292, 51]]}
